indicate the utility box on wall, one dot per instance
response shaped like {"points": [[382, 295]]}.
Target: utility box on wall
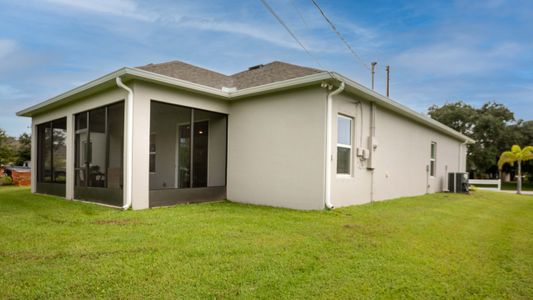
{"points": [[372, 146]]}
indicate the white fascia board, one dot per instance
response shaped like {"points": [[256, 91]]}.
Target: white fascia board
{"points": [[358, 89], [280, 85], [128, 73], [28, 112], [402, 109], [134, 73]]}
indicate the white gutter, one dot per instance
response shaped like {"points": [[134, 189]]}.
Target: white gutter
{"points": [[351, 86], [279, 85], [129, 145], [394, 106], [329, 155], [372, 159]]}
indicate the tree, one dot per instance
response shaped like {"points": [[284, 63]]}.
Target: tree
{"points": [[23, 149], [488, 125], [7, 154], [525, 130], [517, 155], [458, 115]]}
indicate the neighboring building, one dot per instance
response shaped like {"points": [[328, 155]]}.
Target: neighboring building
{"points": [[276, 134], [21, 175]]}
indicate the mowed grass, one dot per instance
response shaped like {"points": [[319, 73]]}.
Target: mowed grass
{"points": [[433, 246], [526, 186]]}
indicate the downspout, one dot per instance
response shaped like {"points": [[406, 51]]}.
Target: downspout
{"points": [[129, 146], [329, 155], [460, 156], [371, 148]]}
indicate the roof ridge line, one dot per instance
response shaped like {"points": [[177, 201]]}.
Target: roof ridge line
{"points": [[182, 62]]}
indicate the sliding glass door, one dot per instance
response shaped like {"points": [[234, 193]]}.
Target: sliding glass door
{"points": [[200, 153], [187, 152], [99, 154]]}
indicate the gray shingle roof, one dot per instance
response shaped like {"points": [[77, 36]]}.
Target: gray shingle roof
{"points": [[254, 76]]}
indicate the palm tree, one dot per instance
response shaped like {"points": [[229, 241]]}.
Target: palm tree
{"points": [[517, 155]]}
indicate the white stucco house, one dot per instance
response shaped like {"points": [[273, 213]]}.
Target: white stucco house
{"points": [[276, 134]]}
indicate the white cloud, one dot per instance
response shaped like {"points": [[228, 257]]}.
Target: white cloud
{"points": [[447, 58], [125, 8], [130, 9], [261, 32], [7, 91], [7, 47], [198, 17]]}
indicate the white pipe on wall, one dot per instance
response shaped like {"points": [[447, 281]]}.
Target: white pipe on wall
{"points": [[371, 149], [129, 145], [461, 156], [329, 155]]}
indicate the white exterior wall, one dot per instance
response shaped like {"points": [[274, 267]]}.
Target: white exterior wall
{"points": [[276, 149], [400, 160], [355, 188]]}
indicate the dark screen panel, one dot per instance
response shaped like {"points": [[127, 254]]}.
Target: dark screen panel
{"points": [[99, 153], [200, 153], [59, 150]]}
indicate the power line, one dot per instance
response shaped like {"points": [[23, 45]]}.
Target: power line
{"points": [[300, 15], [280, 20], [357, 57]]}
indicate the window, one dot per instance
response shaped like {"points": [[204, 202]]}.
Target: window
{"points": [[152, 153], [344, 144], [433, 159]]}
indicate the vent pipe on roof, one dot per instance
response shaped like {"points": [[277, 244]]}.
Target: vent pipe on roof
{"points": [[373, 65], [129, 145], [387, 69], [255, 67]]}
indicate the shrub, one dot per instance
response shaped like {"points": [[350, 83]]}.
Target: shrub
{"points": [[6, 180]]}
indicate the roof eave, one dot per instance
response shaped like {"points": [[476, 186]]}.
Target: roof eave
{"points": [[129, 73], [279, 86], [401, 109], [134, 73], [45, 105], [358, 89]]}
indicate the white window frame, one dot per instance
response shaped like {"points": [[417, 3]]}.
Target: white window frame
{"points": [[152, 152], [346, 146], [433, 159]]}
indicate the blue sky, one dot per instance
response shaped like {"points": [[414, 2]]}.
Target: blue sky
{"points": [[439, 51]]}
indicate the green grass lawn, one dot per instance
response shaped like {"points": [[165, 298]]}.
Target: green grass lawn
{"points": [[433, 246], [526, 186]]}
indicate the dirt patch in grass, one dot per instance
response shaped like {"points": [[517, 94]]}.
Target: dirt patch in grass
{"points": [[61, 255], [120, 222], [351, 226]]}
